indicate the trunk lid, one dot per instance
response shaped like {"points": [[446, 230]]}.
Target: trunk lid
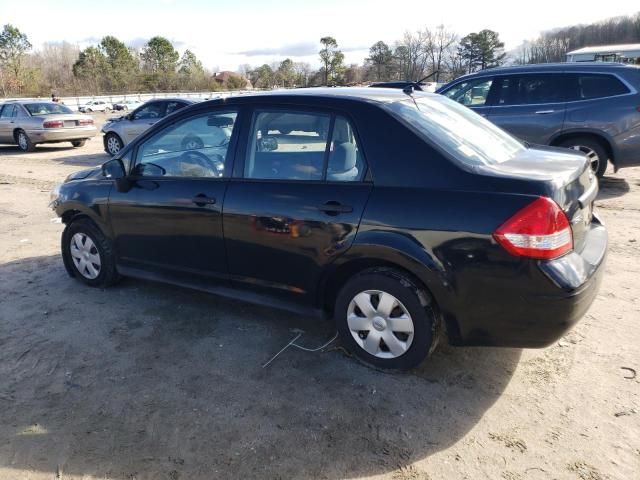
{"points": [[561, 174]]}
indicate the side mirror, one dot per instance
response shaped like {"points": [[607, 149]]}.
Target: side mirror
{"points": [[267, 144], [114, 169]]}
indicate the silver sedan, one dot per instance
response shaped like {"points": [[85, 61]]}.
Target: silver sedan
{"points": [[28, 123]]}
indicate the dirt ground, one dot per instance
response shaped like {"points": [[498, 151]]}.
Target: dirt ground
{"points": [[147, 381]]}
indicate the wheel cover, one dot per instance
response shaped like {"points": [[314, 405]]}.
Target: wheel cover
{"points": [[113, 145], [594, 159], [22, 141], [380, 324], [85, 255]]}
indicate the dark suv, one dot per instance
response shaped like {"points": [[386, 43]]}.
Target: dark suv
{"points": [[396, 214], [592, 107]]}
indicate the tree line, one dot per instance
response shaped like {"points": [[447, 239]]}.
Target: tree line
{"points": [[553, 46], [113, 67]]}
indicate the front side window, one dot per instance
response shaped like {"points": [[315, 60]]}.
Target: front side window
{"points": [[531, 89], [472, 93], [458, 130], [287, 145], [194, 147], [174, 107], [150, 111]]}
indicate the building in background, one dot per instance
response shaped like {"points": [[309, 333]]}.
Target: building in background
{"points": [[628, 53]]}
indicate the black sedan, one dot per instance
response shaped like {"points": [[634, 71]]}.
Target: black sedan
{"points": [[403, 216]]}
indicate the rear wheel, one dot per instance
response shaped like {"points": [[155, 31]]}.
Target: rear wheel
{"points": [[385, 319], [24, 142], [79, 143], [88, 254], [594, 151], [113, 143]]}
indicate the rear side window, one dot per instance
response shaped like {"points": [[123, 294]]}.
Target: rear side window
{"points": [[531, 89], [7, 111], [585, 86], [287, 145], [174, 107]]}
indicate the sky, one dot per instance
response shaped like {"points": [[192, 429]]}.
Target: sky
{"points": [[226, 34]]}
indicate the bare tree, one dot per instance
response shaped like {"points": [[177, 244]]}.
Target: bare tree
{"points": [[439, 44]]}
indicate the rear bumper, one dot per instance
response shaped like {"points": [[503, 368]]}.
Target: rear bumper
{"points": [[62, 134], [538, 317]]}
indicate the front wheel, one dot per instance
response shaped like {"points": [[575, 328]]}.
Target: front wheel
{"points": [[386, 320], [79, 143], [88, 254], [595, 152]]}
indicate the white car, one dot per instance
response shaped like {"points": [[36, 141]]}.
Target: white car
{"points": [[127, 105], [96, 106]]}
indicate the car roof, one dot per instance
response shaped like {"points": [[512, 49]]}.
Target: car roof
{"points": [[555, 67], [27, 100], [353, 94]]}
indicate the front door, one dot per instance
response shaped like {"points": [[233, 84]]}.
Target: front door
{"points": [[171, 218], [143, 118], [530, 106], [298, 202]]}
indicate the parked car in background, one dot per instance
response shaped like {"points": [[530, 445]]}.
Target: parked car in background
{"points": [[444, 222], [591, 107], [127, 105], [119, 131], [28, 123], [96, 106]]}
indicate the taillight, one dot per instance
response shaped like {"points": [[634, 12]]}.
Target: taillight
{"points": [[53, 124], [85, 121], [540, 230]]}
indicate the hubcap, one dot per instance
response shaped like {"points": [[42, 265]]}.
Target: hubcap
{"points": [[380, 324], [113, 145], [22, 141], [594, 159], [85, 256]]}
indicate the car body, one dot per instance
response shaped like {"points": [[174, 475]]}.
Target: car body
{"points": [[96, 106], [28, 123], [593, 107], [127, 105], [119, 131], [441, 221]]}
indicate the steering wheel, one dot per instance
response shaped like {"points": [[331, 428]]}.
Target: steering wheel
{"points": [[215, 165]]}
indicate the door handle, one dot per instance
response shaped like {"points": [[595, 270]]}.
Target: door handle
{"points": [[544, 112], [334, 208], [201, 200]]}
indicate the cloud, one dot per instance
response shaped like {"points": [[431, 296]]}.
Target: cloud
{"points": [[300, 49]]}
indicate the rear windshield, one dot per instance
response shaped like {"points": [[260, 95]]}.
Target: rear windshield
{"points": [[46, 108], [458, 130]]}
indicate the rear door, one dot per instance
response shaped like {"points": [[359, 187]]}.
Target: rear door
{"points": [[296, 200], [7, 123], [142, 118], [530, 106]]}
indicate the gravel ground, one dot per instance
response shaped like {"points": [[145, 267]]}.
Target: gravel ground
{"points": [[147, 381]]}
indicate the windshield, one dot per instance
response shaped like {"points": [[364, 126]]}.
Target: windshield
{"points": [[458, 130], [47, 108]]}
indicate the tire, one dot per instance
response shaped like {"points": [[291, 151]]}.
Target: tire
{"points": [[597, 154], [88, 254], [413, 314], [107, 110], [88, 110], [79, 143], [113, 143], [192, 142], [24, 142]]}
